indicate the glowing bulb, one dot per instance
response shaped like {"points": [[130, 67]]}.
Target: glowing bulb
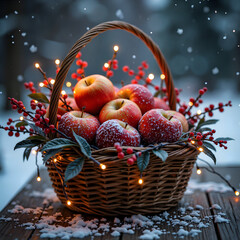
{"points": [[200, 149], [190, 104], [55, 160], [102, 166], [57, 61], [34, 152], [237, 193], [38, 179], [37, 65], [151, 76], [41, 84], [140, 181], [21, 118], [35, 101], [106, 65], [192, 142], [116, 48], [69, 203], [52, 81], [199, 171], [199, 112], [63, 92], [68, 84], [162, 76]]}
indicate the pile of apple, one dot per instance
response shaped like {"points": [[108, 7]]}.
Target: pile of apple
{"points": [[130, 116]]}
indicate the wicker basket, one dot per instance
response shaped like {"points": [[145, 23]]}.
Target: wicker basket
{"points": [[115, 191]]}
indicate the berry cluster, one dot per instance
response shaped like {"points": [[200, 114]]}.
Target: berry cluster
{"points": [[80, 72], [30, 86], [129, 151], [199, 138]]}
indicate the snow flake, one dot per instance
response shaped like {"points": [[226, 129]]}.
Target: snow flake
{"points": [[215, 71], [180, 31], [33, 49], [23, 34], [119, 14]]}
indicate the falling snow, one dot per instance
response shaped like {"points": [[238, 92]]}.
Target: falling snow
{"points": [[33, 49], [180, 31], [20, 78], [215, 71], [23, 34], [119, 14]]}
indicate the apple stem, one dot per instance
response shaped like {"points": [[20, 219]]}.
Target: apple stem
{"points": [[122, 83], [86, 83], [122, 103], [170, 118], [83, 109], [126, 125]]}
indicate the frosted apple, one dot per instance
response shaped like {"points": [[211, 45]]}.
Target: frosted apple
{"points": [[121, 109], [181, 118], [93, 92], [138, 94], [160, 103], [83, 124], [113, 131], [158, 126]]}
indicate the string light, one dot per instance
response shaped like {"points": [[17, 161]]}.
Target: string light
{"points": [[68, 84], [63, 92], [55, 160], [199, 171], [52, 81], [21, 118], [200, 149], [57, 61], [37, 65], [41, 84], [116, 48], [237, 193], [35, 101], [140, 181], [106, 65], [151, 76], [192, 142], [69, 203], [39, 179], [199, 112], [102, 166], [34, 152], [190, 104], [162, 76]]}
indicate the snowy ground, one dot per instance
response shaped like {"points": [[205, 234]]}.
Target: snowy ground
{"points": [[15, 173]]}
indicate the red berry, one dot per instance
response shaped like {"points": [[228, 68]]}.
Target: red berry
{"points": [[104, 68], [58, 118], [181, 110], [141, 73], [45, 82], [11, 127], [211, 106], [192, 100], [84, 64], [130, 161], [205, 89], [74, 75], [211, 138], [115, 66], [213, 131], [210, 114], [51, 126], [200, 143], [200, 101], [134, 157], [139, 154], [191, 134], [10, 133], [130, 72], [156, 88], [6, 128], [17, 134], [189, 139], [47, 130], [125, 69], [22, 128], [178, 100], [201, 92], [119, 149], [221, 109], [206, 109], [120, 155], [80, 70], [129, 151], [65, 96], [117, 144], [26, 85], [196, 104], [199, 137], [220, 104], [30, 84], [37, 116], [109, 73], [40, 105], [134, 81], [148, 80], [79, 62], [10, 120], [145, 65], [225, 147], [79, 54], [25, 114]]}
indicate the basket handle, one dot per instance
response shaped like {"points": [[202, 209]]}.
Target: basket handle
{"points": [[85, 39]]}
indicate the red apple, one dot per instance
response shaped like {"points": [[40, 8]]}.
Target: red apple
{"points": [[83, 124], [181, 118], [113, 131], [158, 126], [121, 109], [138, 94], [160, 103], [93, 92], [116, 90]]}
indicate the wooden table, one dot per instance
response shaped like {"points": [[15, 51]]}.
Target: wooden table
{"points": [[10, 229]]}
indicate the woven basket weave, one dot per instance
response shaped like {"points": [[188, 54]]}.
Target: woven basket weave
{"points": [[115, 191]]}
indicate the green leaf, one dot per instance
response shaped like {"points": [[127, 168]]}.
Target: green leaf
{"points": [[26, 153], [40, 97], [37, 129], [206, 129], [73, 169], [208, 122], [202, 120], [22, 123], [209, 154], [161, 154], [58, 143], [37, 137], [209, 145], [84, 146], [27, 144], [143, 161], [224, 139], [51, 153]]}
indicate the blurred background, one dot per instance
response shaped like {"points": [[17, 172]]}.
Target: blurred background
{"points": [[199, 38]]}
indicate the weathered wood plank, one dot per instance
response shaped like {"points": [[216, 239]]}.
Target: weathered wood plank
{"points": [[231, 206], [11, 229]]}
